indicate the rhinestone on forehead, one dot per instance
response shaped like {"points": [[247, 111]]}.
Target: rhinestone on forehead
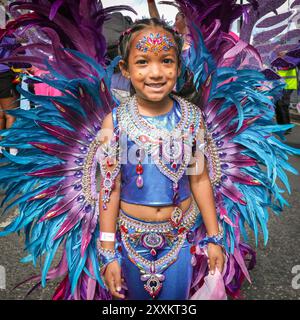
{"points": [[155, 43]]}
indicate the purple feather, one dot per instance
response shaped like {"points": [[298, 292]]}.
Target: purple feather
{"points": [[270, 74], [75, 214], [268, 35], [54, 8], [76, 25], [295, 3], [58, 150], [58, 170], [61, 188], [67, 136], [230, 191], [269, 22], [294, 53], [73, 118], [88, 227], [67, 203]]}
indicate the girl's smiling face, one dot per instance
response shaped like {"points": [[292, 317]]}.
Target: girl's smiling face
{"points": [[152, 74]]}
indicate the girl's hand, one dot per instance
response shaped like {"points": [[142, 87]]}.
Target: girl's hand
{"points": [[215, 257], [112, 278]]}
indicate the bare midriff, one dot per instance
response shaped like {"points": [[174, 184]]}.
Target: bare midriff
{"points": [[147, 213]]}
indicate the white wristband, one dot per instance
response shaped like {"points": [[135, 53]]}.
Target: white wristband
{"points": [[107, 236]]}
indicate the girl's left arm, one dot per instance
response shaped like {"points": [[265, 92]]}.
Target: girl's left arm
{"points": [[203, 194]]}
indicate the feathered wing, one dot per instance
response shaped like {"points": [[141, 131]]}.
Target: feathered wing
{"points": [[275, 32], [213, 19], [51, 183], [244, 151], [49, 26], [52, 179]]}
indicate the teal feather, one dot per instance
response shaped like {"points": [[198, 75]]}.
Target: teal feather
{"points": [[51, 251]]}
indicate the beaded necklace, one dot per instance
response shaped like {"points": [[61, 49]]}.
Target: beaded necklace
{"points": [[171, 147]]}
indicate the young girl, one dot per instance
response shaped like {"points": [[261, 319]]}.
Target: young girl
{"points": [[154, 179], [149, 219]]}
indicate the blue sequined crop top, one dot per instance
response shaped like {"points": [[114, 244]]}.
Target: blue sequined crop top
{"points": [[157, 188]]}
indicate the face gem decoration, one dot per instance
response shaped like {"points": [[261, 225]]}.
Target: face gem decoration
{"points": [[155, 44]]}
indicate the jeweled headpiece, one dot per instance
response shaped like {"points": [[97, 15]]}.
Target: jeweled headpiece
{"points": [[155, 43]]}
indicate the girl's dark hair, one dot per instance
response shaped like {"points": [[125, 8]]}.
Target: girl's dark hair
{"points": [[126, 37], [188, 91]]}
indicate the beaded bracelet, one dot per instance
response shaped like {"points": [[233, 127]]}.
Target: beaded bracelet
{"points": [[215, 239], [107, 256]]}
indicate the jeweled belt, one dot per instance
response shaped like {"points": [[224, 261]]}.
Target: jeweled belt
{"points": [[187, 221], [154, 236]]}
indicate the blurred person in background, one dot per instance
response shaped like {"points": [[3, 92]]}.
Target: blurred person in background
{"points": [[288, 72], [8, 81]]}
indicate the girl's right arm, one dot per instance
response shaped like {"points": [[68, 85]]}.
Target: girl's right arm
{"points": [[108, 217]]}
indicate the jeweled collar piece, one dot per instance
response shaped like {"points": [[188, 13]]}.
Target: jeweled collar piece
{"points": [[159, 142], [169, 150]]}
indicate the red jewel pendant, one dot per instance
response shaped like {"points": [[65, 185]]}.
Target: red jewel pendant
{"points": [[109, 162], [139, 169], [181, 230], [153, 252], [193, 249]]}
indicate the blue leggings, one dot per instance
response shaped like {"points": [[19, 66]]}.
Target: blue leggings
{"points": [[178, 276]]}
